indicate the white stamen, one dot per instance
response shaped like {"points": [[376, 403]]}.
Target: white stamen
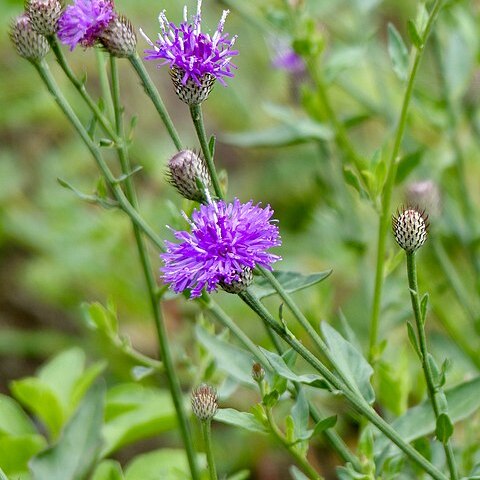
{"points": [[148, 40]]}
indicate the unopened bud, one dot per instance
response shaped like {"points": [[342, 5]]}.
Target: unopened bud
{"points": [[191, 93], [204, 402], [29, 44], [44, 15], [258, 373], [244, 280], [186, 169], [119, 38], [410, 228], [425, 195]]}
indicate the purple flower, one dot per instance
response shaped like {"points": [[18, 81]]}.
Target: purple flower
{"points": [[288, 60], [225, 239], [195, 53], [84, 21]]}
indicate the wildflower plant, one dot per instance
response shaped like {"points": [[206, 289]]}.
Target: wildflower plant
{"points": [[221, 240]]}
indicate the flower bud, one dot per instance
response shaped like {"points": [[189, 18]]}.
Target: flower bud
{"points": [[191, 92], [425, 195], [44, 15], [410, 228], [119, 38], [245, 279], [184, 168], [204, 402], [29, 44], [258, 373]]}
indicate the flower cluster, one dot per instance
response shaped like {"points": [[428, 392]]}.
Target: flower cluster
{"points": [[84, 22], [225, 239], [194, 54]]}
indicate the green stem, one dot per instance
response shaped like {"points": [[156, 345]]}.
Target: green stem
{"points": [[341, 136], [165, 352], [80, 87], [155, 97], [302, 462], [389, 184], [356, 400], [104, 84], [207, 438], [427, 370], [331, 435], [197, 117]]}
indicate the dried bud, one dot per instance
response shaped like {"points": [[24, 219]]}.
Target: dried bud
{"points": [[258, 373], [44, 15], [29, 44], [204, 402], [119, 38], [410, 228], [192, 93], [184, 168], [425, 195], [245, 279]]}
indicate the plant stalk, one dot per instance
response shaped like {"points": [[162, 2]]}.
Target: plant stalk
{"points": [[427, 370], [207, 438], [389, 184]]}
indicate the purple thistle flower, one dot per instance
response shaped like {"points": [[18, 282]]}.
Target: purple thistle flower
{"points": [[288, 60], [225, 239], [84, 21], [193, 52]]}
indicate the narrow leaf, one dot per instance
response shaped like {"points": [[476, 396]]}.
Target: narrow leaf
{"points": [[240, 419], [290, 281], [325, 424], [444, 428], [398, 52], [413, 34], [413, 339]]}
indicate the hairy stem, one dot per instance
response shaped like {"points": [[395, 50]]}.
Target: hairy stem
{"points": [[427, 369], [154, 96], [197, 117], [207, 438]]}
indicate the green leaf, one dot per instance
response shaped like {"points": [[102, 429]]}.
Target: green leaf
{"points": [[2, 475], [241, 475], [134, 412], [290, 281], [398, 52], [413, 339], [350, 362], [300, 413], [42, 401], [62, 372], [444, 428], [13, 420], [231, 359], [463, 400], [75, 454], [407, 164], [85, 382], [271, 399], [305, 130], [413, 34], [16, 451], [297, 474], [423, 308], [324, 424], [101, 318], [108, 470], [165, 464], [393, 382], [281, 368], [211, 145], [244, 420]]}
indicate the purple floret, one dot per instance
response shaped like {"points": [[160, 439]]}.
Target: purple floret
{"points": [[194, 52], [225, 238], [84, 21]]}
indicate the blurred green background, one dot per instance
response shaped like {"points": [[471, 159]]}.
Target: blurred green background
{"points": [[57, 252]]}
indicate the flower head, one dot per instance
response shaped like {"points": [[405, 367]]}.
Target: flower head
{"points": [[225, 239], [44, 15], [119, 38], [193, 52], [410, 228], [84, 21], [29, 44], [204, 402]]}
